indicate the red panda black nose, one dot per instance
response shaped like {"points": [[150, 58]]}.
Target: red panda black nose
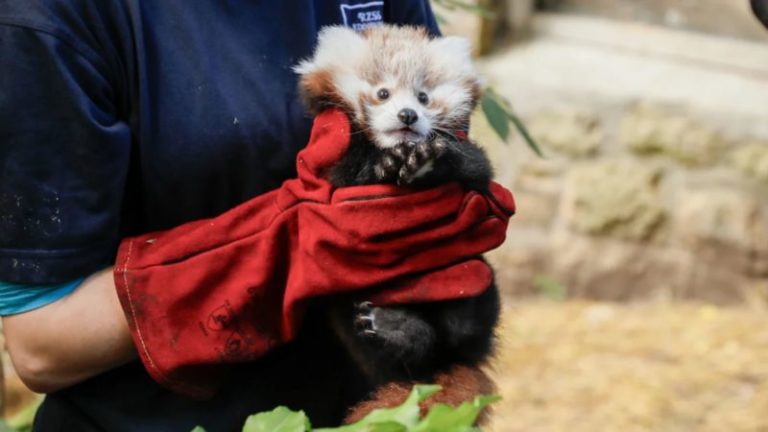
{"points": [[407, 116]]}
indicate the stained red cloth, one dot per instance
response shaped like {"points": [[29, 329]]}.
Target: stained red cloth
{"points": [[230, 288]]}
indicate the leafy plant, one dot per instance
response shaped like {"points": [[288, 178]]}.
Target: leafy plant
{"points": [[499, 114], [404, 418], [21, 421], [495, 108]]}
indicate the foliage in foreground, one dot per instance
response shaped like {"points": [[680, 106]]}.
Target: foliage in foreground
{"points": [[405, 418], [22, 420]]}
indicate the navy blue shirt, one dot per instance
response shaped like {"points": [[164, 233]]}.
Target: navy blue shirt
{"points": [[119, 117]]}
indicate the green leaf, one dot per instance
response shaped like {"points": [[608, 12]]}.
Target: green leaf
{"points": [[404, 418], [443, 4], [386, 427], [496, 115], [502, 103], [441, 20], [198, 429], [523, 131], [405, 415], [280, 419], [444, 418], [22, 421]]}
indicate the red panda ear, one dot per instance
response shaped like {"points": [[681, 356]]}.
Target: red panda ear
{"points": [[453, 56], [453, 51], [318, 91], [340, 52], [475, 86]]}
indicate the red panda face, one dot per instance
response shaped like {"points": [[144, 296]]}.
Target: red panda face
{"points": [[395, 83], [397, 112]]}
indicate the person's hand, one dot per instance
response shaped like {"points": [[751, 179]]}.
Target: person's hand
{"points": [[230, 288]]}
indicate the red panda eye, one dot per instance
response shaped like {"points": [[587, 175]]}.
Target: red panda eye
{"points": [[383, 94], [423, 98]]}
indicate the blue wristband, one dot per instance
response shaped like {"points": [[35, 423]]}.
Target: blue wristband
{"points": [[18, 298]]}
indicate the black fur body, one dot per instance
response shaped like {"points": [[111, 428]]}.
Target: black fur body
{"points": [[407, 343]]}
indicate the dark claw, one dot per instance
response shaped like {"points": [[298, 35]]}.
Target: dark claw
{"points": [[440, 145], [425, 151], [413, 162], [381, 173], [400, 151], [364, 319], [363, 327], [388, 162], [404, 176]]}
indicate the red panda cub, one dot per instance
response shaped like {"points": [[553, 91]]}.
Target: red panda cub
{"points": [[409, 98]]}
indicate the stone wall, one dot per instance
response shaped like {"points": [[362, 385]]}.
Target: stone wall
{"points": [[645, 201], [732, 18]]}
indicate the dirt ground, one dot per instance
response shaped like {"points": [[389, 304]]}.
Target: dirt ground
{"points": [[586, 366]]}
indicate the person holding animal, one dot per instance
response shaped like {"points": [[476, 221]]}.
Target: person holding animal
{"points": [[164, 253]]}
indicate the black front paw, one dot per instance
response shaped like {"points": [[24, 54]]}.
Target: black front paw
{"points": [[397, 334], [407, 161], [390, 160], [364, 323], [420, 158]]}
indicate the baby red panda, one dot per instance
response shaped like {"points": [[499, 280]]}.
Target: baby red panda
{"points": [[409, 98]]}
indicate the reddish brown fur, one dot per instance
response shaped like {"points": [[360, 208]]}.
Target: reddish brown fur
{"points": [[319, 92], [474, 91], [459, 384]]}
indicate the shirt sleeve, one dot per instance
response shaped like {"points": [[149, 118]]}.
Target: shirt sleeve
{"points": [[19, 298], [412, 12], [63, 158]]}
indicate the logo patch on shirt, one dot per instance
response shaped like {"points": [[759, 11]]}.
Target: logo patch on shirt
{"points": [[363, 15]]}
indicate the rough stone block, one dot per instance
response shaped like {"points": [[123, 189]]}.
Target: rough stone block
{"points": [[648, 130], [614, 198], [572, 133], [752, 160], [538, 209], [726, 227], [516, 269], [608, 269]]}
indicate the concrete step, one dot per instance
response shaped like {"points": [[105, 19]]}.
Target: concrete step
{"points": [[575, 60]]}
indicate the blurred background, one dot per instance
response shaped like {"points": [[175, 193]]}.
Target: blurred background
{"points": [[635, 274]]}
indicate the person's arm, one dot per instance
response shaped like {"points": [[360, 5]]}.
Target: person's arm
{"points": [[72, 339], [64, 152]]}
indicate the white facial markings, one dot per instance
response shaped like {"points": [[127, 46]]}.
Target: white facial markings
{"points": [[456, 100], [388, 129]]}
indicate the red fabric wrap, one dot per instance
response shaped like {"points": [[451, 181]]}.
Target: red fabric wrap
{"points": [[228, 289]]}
